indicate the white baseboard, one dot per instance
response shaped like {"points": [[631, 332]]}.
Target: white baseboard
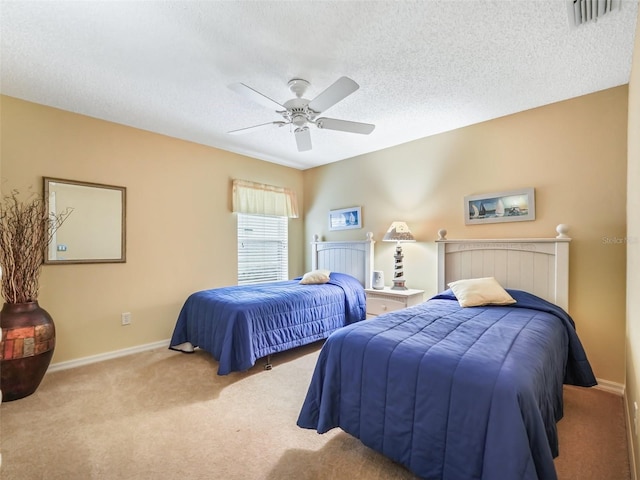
{"points": [[630, 440], [606, 385], [611, 387], [55, 367]]}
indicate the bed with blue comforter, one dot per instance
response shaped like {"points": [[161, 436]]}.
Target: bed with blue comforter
{"points": [[240, 324], [453, 393]]}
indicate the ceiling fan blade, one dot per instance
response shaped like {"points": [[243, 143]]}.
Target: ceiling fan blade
{"points": [[256, 127], [303, 139], [340, 89], [345, 125], [256, 96]]}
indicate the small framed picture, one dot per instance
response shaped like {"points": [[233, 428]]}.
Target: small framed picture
{"points": [[511, 206], [345, 218]]}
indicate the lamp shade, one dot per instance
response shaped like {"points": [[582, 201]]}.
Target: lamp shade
{"points": [[398, 232]]}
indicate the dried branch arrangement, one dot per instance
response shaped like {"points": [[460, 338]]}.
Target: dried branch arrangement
{"points": [[26, 229]]}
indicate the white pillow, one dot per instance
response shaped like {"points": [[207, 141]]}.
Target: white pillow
{"points": [[474, 292], [315, 277]]}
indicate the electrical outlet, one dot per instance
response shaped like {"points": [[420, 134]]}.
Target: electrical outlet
{"points": [[126, 318]]}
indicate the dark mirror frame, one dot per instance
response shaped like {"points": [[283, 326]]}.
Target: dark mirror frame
{"points": [[123, 191]]}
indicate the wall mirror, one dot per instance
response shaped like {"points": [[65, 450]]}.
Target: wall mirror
{"points": [[94, 232]]}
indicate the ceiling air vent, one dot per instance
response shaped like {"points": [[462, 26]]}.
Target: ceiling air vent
{"points": [[585, 11]]}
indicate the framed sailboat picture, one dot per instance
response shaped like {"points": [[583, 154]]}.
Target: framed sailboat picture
{"points": [[511, 206], [345, 218]]}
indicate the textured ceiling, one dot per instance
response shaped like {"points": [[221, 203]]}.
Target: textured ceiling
{"points": [[423, 67]]}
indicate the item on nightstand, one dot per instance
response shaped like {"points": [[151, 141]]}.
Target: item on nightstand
{"points": [[398, 232], [378, 279]]}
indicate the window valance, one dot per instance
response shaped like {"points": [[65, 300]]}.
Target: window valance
{"points": [[260, 199]]}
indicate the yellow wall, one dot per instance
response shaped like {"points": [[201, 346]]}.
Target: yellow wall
{"points": [[632, 392], [181, 235], [573, 153]]}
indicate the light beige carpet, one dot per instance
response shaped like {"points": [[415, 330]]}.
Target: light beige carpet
{"points": [[166, 415]]}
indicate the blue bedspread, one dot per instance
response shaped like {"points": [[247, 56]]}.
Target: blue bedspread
{"points": [[453, 393], [241, 324]]}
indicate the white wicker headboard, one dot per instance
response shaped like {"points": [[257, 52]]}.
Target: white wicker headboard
{"points": [[537, 265], [351, 257]]}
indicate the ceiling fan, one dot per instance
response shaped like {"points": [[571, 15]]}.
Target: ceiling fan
{"points": [[300, 112]]}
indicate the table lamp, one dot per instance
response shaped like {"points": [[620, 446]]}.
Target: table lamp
{"points": [[398, 232]]}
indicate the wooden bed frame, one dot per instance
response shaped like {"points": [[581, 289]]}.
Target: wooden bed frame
{"points": [[354, 258], [375, 355], [537, 265]]}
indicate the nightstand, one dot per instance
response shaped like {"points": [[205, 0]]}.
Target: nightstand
{"points": [[388, 300]]}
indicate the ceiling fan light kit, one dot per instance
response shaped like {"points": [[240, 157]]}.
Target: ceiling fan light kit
{"points": [[300, 112]]}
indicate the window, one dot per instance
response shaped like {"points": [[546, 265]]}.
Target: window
{"points": [[263, 216], [263, 252]]}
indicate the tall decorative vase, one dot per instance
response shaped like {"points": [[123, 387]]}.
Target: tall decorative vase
{"points": [[26, 348]]}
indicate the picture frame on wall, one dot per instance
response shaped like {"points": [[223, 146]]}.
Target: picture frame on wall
{"points": [[345, 218], [509, 206]]}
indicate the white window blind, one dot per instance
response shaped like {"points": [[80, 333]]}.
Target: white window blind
{"points": [[263, 251]]}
